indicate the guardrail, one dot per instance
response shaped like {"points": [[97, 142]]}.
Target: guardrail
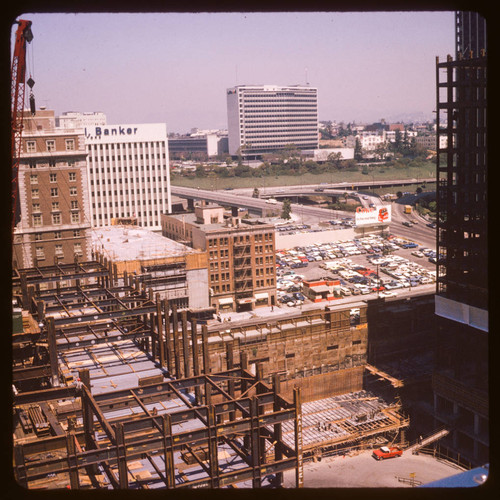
{"points": [[409, 480]]}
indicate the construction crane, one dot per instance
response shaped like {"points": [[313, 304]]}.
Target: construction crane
{"points": [[18, 75]]}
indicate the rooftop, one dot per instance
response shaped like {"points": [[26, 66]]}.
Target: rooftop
{"points": [[135, 243]]}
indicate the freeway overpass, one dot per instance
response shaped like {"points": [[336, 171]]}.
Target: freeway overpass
{"points": [[339, 187], [259, 206], [254, 205]]}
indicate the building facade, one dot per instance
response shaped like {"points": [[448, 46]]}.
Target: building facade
{"points": [[53, 194], [74, 119], [128, 173], [460, 383], [171, 270], [241, 255], [268, 118], [197, 146]]}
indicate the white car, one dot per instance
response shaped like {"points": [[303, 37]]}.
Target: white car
{"points": [[388, 294], [416, 253]]}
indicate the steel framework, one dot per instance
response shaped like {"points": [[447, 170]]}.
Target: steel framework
{"points": [[231, 408]]}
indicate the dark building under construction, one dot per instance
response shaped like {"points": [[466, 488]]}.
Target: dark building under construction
{"points": [[460, 382]]}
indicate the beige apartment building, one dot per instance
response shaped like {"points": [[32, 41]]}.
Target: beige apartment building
{"points": [[240, 253], [52, 193]]}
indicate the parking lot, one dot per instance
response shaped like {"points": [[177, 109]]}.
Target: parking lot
{"points": [[369, 265]]}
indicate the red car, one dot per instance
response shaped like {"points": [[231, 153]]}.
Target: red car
{"points": [[387, 452]]}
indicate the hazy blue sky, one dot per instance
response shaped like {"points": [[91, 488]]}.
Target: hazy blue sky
{"points": [[175, 68]]}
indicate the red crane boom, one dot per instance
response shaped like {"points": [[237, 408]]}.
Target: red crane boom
{"points": [[18, 74]]}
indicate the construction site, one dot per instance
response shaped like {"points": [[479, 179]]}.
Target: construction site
{"points": [[116, 388]]}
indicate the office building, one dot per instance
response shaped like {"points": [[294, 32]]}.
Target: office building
{"points": [[268, 118], [199, 146], [128, 173], [460, 381], [53, 194]]}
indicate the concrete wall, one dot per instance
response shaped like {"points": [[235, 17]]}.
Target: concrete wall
{"points": [[197, 284], [286, 241]]}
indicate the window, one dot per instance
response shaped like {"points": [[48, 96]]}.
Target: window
{"points": [[40, 253], [76, 233], [77, 250], [70, 144], [59, 251], [36, 207], [75, 217], [38, 236], [73, 191], [51, 145], [55, 206], [37, 219], [56, 218], [30, 146], [72, 176], [54, 192], [35, 193], [74, 205], [34, 179], [53, 177], [57, 235]]}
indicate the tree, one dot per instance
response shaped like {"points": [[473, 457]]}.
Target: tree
{"points": [[336, 159], [256, 193], [358, 151], [200, 171], [286, 209]]}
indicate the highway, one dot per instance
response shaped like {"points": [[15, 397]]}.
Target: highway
{"points": [[311, 214]]}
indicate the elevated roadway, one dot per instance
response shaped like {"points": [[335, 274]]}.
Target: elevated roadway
{"points": [[307, 213]]}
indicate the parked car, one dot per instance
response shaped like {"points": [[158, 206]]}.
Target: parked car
{"points": [[387, 452]]}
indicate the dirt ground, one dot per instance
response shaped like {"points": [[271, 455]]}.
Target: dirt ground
{"points": [[363, 471]]}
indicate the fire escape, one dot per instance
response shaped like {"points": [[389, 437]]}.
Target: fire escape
{"points": [[242, 265]]}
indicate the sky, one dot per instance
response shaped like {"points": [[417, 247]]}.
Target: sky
{"points": [[174, 68]]}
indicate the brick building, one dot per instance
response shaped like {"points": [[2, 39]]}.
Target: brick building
{"points": [[241, 262], [53, 194]]}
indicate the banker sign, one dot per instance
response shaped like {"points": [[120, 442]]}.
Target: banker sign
{"points": [[373, 215]]}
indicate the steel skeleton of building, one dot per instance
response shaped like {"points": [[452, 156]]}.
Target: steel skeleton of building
{"points": [[460, 381], [157, 407], [231, 408]]}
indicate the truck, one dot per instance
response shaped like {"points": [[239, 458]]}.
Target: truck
{"points": [[272, 201], [387, 452], [407, 209]]}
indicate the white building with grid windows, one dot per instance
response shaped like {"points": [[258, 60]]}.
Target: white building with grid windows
{"points": [[269, 118], [128, 173]]}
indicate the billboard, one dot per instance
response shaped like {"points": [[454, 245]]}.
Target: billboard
{"points": [[381, 214]]}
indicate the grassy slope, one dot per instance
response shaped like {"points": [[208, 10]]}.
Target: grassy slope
{"points": [[376, 173]]}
